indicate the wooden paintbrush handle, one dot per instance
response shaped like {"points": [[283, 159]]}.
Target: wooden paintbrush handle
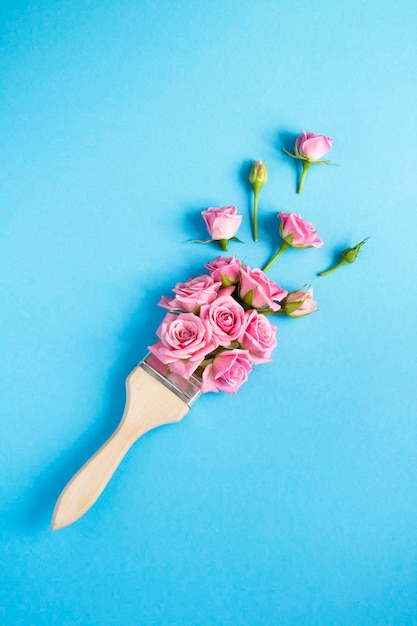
{"points": [[148, 404], [88, 483]]}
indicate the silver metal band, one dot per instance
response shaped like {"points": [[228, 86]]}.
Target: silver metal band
{"points": [[187, 390]]}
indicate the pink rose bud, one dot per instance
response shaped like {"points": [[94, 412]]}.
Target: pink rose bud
{"points": [[258, 336], [225, 270], [312, 147], [222, 223], [299, 303], [229, 370], [297, 232], [309, 148], [259, 291], [185, 339], [257, 178]]}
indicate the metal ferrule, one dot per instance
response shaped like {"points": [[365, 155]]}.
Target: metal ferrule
{"points": [[188, 389]]}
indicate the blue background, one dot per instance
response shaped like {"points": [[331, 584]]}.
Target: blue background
{"points": [[294, 502]]}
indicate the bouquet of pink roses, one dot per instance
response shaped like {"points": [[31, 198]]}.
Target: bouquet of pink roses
{"points": [[218, 328]]}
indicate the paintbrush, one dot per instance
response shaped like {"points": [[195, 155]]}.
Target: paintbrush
{"points": [[154, 397]]}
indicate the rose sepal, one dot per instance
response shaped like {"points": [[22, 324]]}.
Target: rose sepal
{"points": [[302, 158], [202, 241]]}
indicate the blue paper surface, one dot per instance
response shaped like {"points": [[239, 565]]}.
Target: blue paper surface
{"points": [[293, 502]]}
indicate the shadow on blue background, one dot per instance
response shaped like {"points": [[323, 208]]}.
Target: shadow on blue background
{"points": [[286, 140]]}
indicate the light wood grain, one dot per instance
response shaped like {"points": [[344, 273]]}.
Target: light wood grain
{"points": [[148, 404]]}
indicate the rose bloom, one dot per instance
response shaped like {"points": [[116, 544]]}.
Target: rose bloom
{"points": [[226, 318], [259, 291], [222, 222], [258, 336], [192, 294], [185, 341], [312, 147], [297, 232], [299, 303], [229, 370], [225, 270]]}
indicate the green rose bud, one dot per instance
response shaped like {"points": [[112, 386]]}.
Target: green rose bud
{"points": [[258, 176], [349, 255]]}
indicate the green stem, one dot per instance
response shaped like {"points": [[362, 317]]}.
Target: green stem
{"points": [[255, 215], [284, 246], [332, 269], [306, 165], [224, 244]]}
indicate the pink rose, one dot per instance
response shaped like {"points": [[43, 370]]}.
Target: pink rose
{"points": [[259, 291], [222, 223], [229, 370], [192, 294], [312, 147], [297, 232], [258, 336], [299, 303], [226, 317], [309, 148], [225, 270], [185, 341]]}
